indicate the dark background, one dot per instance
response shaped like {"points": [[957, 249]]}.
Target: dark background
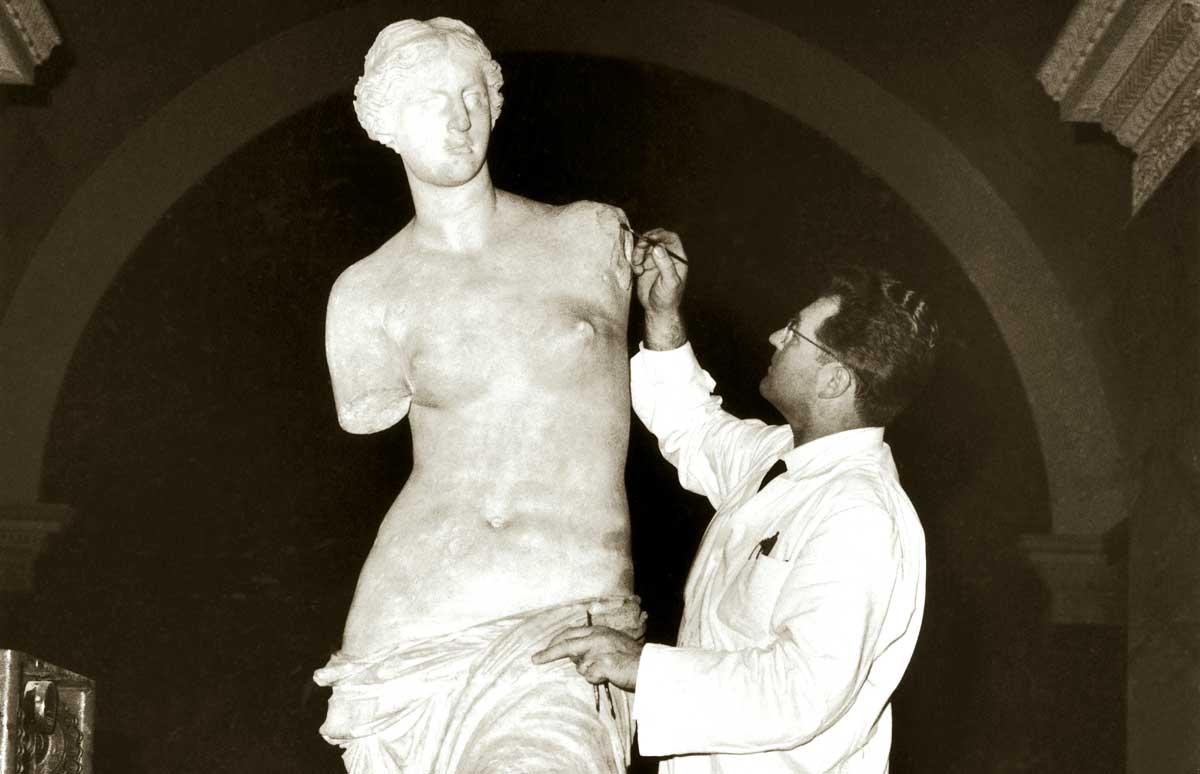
{"points": [[223, 515]]}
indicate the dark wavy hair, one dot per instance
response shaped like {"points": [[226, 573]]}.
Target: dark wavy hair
{"points": [[885, 333]]}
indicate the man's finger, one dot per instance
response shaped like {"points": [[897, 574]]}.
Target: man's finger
{"points": [[665, 265], [644, 266], [572, 633], [638, 251], [566, 644], [668, 239], [571, 649]]}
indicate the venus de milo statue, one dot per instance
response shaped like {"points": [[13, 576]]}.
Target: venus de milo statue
{"points": [[497, 325]]}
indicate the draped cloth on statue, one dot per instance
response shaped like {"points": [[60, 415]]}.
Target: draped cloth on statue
{"points": [[472, 701]]}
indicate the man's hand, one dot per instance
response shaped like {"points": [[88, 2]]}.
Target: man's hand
{"points": [[599, 653], [660, 277], [660, 283]]}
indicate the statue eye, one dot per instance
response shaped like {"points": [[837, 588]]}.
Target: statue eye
{"points": [[425, 99]]}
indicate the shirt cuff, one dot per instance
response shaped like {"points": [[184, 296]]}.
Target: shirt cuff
{"points": [[656, 700], [666, 365], [646, 693]]}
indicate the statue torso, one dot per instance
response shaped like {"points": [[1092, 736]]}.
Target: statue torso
{"points": [[516, 359]]}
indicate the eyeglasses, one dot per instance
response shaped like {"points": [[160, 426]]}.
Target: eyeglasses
{"points": [[793, 328]]}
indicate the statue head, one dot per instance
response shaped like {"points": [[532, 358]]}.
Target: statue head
{"points": [[397, 49]]}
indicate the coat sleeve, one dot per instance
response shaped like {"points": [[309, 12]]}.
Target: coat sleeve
{"points": [[712, 449]]}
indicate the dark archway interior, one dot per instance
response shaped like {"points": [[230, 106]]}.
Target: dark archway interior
{"points": [[223, 515]]}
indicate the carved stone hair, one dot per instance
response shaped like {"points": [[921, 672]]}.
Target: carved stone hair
{"points": [[885, 332], [396, 50]]}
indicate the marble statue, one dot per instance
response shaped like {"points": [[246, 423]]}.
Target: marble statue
{"points": [[497, 324]]}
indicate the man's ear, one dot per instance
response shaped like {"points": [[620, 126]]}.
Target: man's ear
{"points": [[835, 380]]}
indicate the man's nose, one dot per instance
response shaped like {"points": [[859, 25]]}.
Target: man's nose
{"points": [[777, 338]]}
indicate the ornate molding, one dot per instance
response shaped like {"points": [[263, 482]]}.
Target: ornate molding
{"points": [[47, 717], [1132, 67], [1075, 44], [27, 35], [1162, 64], [1179, 132]]}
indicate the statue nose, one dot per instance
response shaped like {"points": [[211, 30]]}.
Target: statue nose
{"points": [[460, 119]]}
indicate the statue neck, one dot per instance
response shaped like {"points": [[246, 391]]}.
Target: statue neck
{"points": [[457, 218]]}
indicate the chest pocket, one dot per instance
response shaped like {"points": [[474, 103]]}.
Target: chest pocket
{"points": [[747, 604]]}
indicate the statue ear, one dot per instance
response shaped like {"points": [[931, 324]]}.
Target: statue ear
{"points": [[835, 380], [383, 131], [389, 141]]}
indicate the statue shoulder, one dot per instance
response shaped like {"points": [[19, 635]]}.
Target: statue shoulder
{"points": [[352, 290], [585, 233], [604, 218], [602, 223], [373, 270], [584, 215]]}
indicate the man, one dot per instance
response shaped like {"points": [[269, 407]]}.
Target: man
{"points": [[498, 326], [804, 602]]}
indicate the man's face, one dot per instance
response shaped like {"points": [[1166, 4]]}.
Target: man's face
{"points": [[791, 381], [443, 119]]}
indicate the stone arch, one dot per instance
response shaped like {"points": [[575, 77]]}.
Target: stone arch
{"points": [[157, 163]]}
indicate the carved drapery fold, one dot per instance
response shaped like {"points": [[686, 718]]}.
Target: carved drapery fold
{"points": [[1134, 68]]}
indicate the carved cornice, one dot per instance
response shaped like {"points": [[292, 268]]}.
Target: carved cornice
{"points": [[1160, 66], [1132, 67], [1075, 43], [1108, 60], [1170, 141], [27, 35]]}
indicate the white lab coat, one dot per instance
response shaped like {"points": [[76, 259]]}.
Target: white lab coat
{"points": [[803, 604]]}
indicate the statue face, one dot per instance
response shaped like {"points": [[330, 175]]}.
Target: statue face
{"points": [[443, 119]]}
